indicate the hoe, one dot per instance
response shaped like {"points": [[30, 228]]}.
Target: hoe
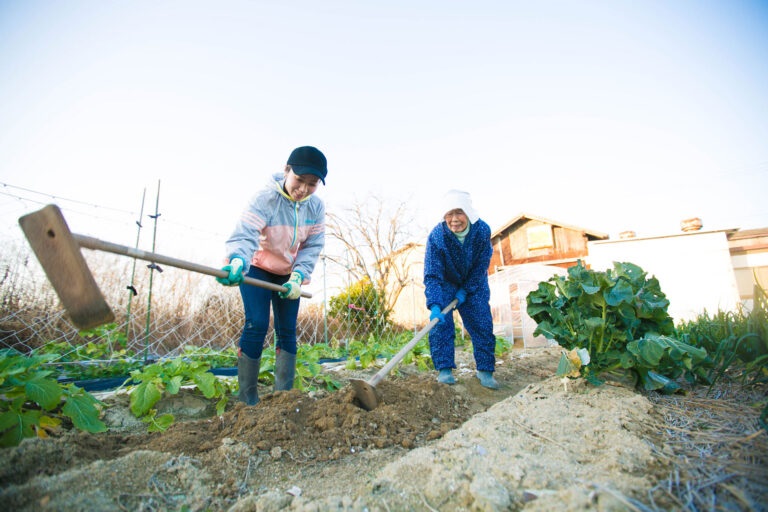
{"points": [[365, 391], [58, 251]]}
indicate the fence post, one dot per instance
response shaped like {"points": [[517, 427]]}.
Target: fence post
{"points": [[131, 288], [152, 268], [325, 300]]}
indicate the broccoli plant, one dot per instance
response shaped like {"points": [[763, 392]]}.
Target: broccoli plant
{"points": [[613, 320]]}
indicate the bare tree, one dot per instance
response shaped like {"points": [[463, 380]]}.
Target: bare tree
{"points": [[372, 232]]}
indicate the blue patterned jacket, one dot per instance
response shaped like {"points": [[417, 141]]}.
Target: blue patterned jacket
{"points": [[450, 265]]}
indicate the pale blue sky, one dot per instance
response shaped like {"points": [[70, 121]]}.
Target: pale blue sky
{"points": [[610, 115]]}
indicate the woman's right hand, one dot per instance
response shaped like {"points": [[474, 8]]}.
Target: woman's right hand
{"points": [[235, 272], [436, 313]]}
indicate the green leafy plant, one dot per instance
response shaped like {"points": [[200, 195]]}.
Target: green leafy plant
{"points": [[364, 354], [618, 318], [363, 307], [110, 334], [215, 358], [168, 377], [32, 403], [309, 374], [104, 355], [737, 343], [502, 346], [419, 355]]}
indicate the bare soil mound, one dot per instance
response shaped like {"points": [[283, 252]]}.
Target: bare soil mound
{"points": [[534, 444]]}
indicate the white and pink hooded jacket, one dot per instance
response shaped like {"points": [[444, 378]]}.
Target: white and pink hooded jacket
{"points": [[278, 234]]}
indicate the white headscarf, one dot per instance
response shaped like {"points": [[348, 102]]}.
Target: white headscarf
{"points": [[459, 199]]}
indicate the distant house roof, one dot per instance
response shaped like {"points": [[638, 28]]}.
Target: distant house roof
{"points": [[747, 233], [748, 240], [728, 233], [590, 233]]}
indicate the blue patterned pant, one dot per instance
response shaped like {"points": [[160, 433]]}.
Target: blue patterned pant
{"points": [[477, 319]]}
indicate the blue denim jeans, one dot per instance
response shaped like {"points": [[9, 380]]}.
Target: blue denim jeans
{"points": [[256, 304]]}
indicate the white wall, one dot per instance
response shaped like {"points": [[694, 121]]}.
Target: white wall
{"points": [[694, 269]]}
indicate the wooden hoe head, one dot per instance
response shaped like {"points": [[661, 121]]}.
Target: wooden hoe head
{"points": [[59, 254]]}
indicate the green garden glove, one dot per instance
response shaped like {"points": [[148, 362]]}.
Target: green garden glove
{"points": [[235, 269], [294, 286]]}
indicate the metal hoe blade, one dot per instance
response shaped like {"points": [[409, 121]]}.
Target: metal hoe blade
{"points": [[366, 394], [365, 391], [58, 253]]}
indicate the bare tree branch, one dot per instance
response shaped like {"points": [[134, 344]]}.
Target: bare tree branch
{"points": [[371, 232]]}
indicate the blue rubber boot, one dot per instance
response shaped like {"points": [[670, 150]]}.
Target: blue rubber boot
{"points": [[446, 376], [487, 380]]}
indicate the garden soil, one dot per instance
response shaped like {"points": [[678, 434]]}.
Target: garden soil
{"points": [[538, 443]]}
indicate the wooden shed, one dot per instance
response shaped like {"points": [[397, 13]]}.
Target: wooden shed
{"points": [[531, 239]]}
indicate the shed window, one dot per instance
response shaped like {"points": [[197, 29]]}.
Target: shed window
{"points": [[540, 237]]}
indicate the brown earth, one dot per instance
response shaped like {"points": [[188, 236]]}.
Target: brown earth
{"points": [[535, 444]]}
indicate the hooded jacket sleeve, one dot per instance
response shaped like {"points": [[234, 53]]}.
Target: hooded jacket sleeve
{"points": [[434, 271], [244, 240]]}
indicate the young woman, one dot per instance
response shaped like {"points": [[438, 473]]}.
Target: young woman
{"points": [[456, 267], [278, 239]]}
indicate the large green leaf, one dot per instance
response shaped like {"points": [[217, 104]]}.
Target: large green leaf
{"points": [[620, 292], [221, 405], [649, 351], [569, 289], [206, 382], [44, 391], [653, 381], [20, 426], [173, 385], [159, 423], [633, 273], [80, 409], [143, 397]]}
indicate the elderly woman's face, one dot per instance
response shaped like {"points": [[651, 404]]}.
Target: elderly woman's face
{"points": [[457, 220]]}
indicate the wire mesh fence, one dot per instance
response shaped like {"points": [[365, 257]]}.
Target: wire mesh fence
{"points": [[162, 311]]}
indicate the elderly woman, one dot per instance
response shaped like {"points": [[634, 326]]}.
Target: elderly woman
{"points": [[456, 267]]}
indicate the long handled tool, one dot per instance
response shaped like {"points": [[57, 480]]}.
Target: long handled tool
{"points": [[365, 391], [58, 250]]}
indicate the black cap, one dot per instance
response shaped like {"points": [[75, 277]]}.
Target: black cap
{"points": [[309, 160]]}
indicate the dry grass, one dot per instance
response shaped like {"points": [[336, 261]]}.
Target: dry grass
{"points": [[715, 448], [172, 309]]}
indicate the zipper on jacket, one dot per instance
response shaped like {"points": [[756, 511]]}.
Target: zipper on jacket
{"points": [[295, 223]]}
